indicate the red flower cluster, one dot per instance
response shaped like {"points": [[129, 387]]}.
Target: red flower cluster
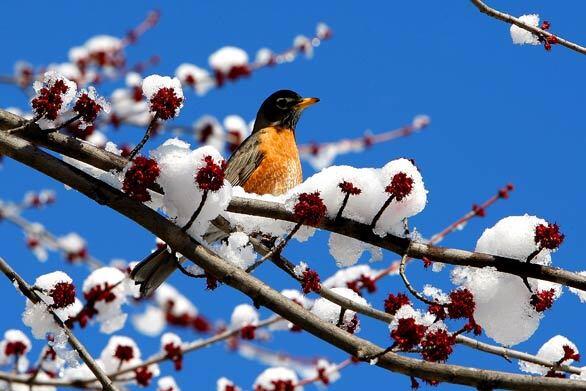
{"points": [[352, 325], [165, 103], [309, 208], [478, 210], [175, 354], [323, 376], [569, 354], [96, 294], [310, 281], [247, 332], [349, 188], [362, 282], [87, 108], [124, 353], [504, 193], [15, 348], [548, 236], [547, 41], [437, 345], [542, 300], [198, 323], [63, 294], [461, 304], [408, 333], [143, 376], [211, 176], [400, 186], [236, 72], [393, 303], [50, 99], [139, 177]]}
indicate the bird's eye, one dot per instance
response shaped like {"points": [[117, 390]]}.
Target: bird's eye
{"points": [[283, 103]]}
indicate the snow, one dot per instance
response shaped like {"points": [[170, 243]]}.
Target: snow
{"points": [[202, 78], [347, 251], [297, 297], [170, 338], [237, 250], [580, 293], [343, 276], [71, 243], [504, 294], [264, 56], [330, 312], [103, 43], [111, 362], [167, 383], [151, 322], [521, 36], [223, 383], [166, 294], [407, 311], [552, 351], [110, 314], [304, 45], [226, 58], [178, 165], [268, 376], [244, 315]]}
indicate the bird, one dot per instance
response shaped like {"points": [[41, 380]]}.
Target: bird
{"points": [[266, 162]]}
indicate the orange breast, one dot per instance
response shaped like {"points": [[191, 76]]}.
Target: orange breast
{"points": [[280, 169]]}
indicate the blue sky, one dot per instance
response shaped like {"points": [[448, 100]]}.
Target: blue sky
{"points": [[500, 113]]}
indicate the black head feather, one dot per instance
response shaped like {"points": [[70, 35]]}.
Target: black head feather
{"points": [[281, 109]]}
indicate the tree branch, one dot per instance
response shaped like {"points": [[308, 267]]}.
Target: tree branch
{"points": [[27, 290], [485, 9]]}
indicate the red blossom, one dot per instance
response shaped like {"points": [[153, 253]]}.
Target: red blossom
{"points": [[63, 294], [570, 354], [139, 177], [542, 300], [87, 108], [310, 281], [461, 304], [362, 282], [283, 385], [49, 101], [211, 176], [309, 208], [438, 310], [175, 354], [248, 332], [545, 25], [77, 255], [426, 262], [205, 132], [408, 333], [401, 186], [478, 210], [165, 103], [124, 353], [143, 376], [349, 188], [201, 324], [323, 376], [15, 348], [437, 345], [352, 325], [504, 193], [393, 303], [548, 236]]}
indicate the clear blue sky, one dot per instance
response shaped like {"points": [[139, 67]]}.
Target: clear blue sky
{"points": [[500, 113]]}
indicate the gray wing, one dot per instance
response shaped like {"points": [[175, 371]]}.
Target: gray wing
{"points": [[244, 160]]}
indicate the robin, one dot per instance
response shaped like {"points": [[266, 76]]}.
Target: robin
{"points": [[267, 162]]}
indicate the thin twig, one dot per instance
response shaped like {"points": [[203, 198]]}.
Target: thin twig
{"points": [[410, 287], [204, 197], [144, 140], [381, 211]]}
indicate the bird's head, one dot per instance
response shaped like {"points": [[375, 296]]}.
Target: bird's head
{"points": [[282, 109]]}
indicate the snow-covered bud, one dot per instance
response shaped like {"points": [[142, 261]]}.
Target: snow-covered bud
{"points": [[548, 236], [229, 63], [164, 94], [210, 176], [23, 73], [224, 384], [14, 345], [194, 77], [303, 44], [139, 177], [167, 383], [400, 186], [89, 105], [244, 315], [53, 94], [310, 208], [276, 379], [323, 31], [74, 246], [521, 36], [420, 121], [171, 345]]}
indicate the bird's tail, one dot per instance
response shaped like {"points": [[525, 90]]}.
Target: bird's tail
{"points": [[152, 271]]}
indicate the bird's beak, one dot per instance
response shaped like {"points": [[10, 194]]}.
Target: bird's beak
{"points": [[306, 102]]}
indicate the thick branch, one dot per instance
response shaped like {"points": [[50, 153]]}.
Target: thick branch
{"points": [[485, 9], [259, 292], [27, 290]]}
